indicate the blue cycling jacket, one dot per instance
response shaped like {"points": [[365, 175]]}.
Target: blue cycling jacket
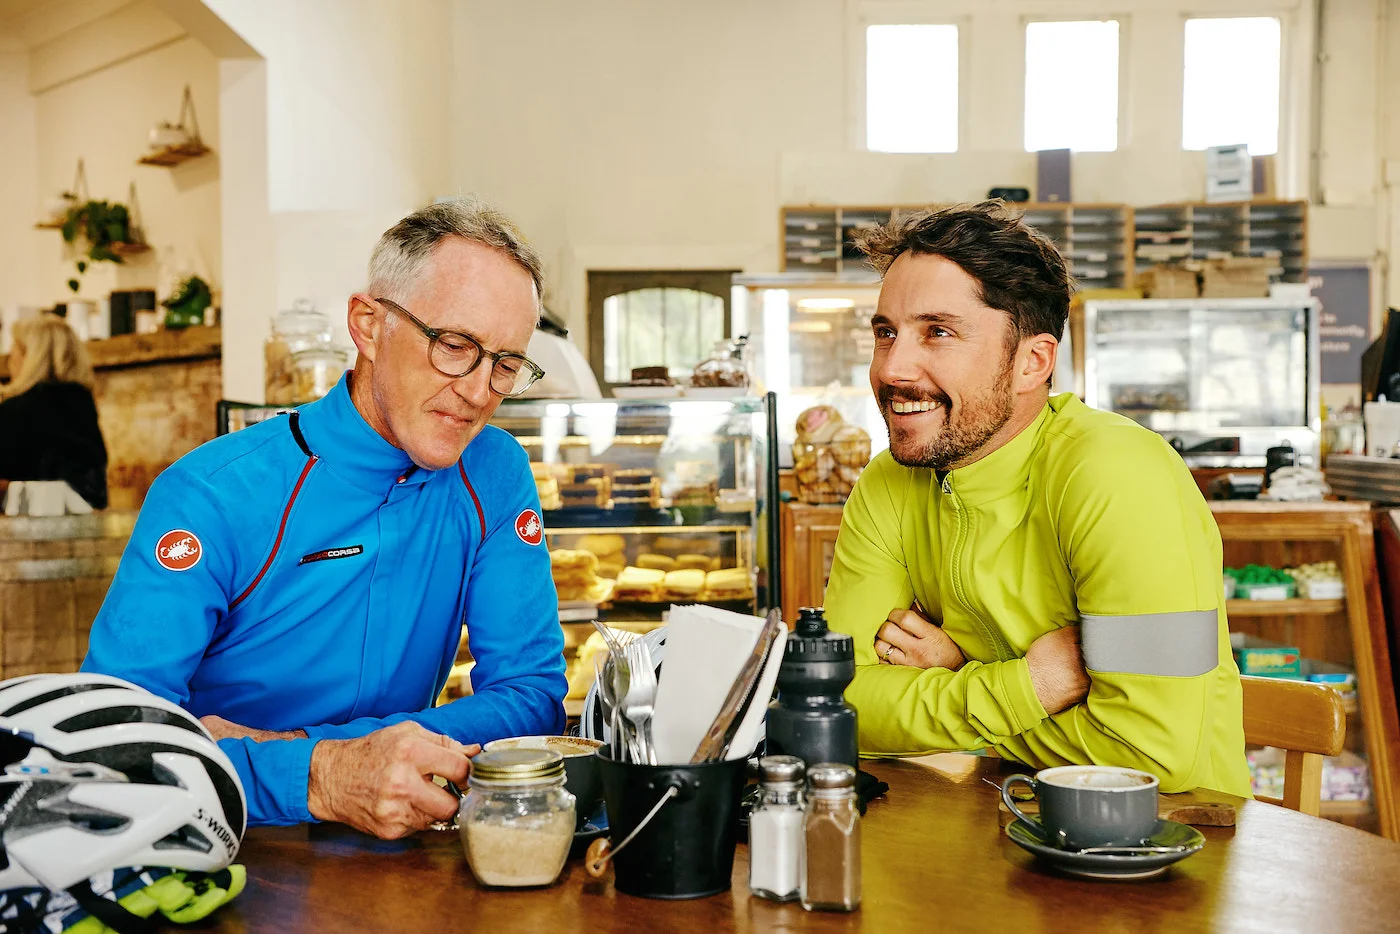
{"points": [[303, 574]]}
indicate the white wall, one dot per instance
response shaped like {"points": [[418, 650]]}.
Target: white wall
{"points": [[347, 102], [104, 116], [19, 253]]}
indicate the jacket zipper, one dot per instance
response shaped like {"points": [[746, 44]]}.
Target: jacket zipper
{"points": [[989, 633]]}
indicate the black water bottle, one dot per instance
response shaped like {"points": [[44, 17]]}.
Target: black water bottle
{"points": [[811, 719]]}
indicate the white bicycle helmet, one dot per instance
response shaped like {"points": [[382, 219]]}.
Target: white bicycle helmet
{"points": [[98, 774]]}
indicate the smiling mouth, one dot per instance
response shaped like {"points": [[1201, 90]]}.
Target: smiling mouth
{"points": [[913, 408]]}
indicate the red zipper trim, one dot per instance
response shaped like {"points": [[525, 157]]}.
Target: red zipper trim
{"points": [[310, 462], [480, 513]]}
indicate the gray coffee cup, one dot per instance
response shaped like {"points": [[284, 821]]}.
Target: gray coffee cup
{"points": [[1089, 805]]}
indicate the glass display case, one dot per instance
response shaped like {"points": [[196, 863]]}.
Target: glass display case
{"points": [[652, 502], [1222, 379], [811, 343]]}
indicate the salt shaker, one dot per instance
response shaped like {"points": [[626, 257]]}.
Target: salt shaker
{"points": [[831, 879], [776, 831]]}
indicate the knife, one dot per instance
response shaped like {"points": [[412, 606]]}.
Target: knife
{"points": [[726, 723]]}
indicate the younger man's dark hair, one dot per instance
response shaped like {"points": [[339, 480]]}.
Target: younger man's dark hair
{"points": [[1019, 270]]}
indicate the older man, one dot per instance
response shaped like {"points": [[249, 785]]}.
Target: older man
{"points": [[301, 585], [1004, 524]]}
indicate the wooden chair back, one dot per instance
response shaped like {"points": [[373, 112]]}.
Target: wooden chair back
{"points": [[1304, 719]]}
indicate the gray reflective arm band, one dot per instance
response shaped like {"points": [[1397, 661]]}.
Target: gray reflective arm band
{"points": [[1179, 645]]}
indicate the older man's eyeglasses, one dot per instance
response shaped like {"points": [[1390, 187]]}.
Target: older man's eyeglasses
{"points": [[455, 354]]}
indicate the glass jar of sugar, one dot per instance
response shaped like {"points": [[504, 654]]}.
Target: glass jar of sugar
{"points": [[517, 820]]}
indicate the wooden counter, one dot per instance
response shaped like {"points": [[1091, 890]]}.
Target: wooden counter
{"points": [[164, 346], [156, 396], [54, 574]]}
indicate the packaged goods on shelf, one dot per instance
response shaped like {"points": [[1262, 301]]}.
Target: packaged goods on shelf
{"points": [[1321, 580], [1344, 778], [1256, 582]]}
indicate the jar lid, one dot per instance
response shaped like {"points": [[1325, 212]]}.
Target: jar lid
{"points": [[781, 770], [832, 775], [517, 765]]}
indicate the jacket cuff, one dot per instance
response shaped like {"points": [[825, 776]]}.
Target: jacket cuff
{"points": [[1025, 708]]}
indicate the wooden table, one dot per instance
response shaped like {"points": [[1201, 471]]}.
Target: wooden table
{"points": [[935, 858]]}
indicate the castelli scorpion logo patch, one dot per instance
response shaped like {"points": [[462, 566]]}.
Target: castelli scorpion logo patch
{"points": [[179, 550], [529, 527]]}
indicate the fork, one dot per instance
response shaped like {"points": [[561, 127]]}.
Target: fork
{"points": [[640, 702]]}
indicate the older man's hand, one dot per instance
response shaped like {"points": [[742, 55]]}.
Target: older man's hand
{"points": [[382, 783], [907, 637]]}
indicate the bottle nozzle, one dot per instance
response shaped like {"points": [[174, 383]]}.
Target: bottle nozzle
{"points": [[811, 621]]}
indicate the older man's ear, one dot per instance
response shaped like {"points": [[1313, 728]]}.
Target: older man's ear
{"points": [[366, 323]]}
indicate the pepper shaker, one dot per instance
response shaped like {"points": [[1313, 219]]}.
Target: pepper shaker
{"points": [[831, 879], [776, 835]]}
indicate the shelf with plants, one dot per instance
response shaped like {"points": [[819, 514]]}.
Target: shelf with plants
{"points": [[173, 144]]}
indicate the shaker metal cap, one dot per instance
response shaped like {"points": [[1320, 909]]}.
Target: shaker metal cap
{"points": [[517, 765], [832, 775], [781, 769]]}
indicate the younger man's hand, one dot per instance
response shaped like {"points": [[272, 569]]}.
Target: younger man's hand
{"points": [[907, 637]]}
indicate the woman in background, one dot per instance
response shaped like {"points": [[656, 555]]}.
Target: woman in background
{"points": [[48, 420]]}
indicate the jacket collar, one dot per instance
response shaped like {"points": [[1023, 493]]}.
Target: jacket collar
{"points": [[338, 434], [1006, 469]]}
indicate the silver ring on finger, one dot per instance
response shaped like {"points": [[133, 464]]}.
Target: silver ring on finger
{"points": [[889, 647]]}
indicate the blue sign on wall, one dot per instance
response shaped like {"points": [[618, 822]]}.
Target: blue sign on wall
{"points": [[1344, 325]]}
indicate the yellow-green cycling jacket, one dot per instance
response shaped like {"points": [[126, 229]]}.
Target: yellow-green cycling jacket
{"points": [[1086, 519]]}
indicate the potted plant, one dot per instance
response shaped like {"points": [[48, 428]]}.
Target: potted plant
{"points": [[188, 304], [94, 230]]}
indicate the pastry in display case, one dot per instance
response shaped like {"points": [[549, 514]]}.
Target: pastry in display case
{"points": [[652, 502]]}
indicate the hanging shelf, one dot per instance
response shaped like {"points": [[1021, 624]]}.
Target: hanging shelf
{"points": [[75, 196], [190, 147], [135, 229]]}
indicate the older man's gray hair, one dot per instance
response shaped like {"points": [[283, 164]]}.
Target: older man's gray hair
{"points": [[402, 251]]}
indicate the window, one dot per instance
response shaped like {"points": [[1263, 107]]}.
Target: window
{"points": [[670, 319], [1072, 86], [1231, 84], [911, 88]]}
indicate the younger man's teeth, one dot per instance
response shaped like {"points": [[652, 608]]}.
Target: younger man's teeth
{"points": [[907, 408]]}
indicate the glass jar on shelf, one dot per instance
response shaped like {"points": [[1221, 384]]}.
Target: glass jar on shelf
{"points": [[517, 821], [295, 330], [724, 368], [316, 371], [828, 455]]}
